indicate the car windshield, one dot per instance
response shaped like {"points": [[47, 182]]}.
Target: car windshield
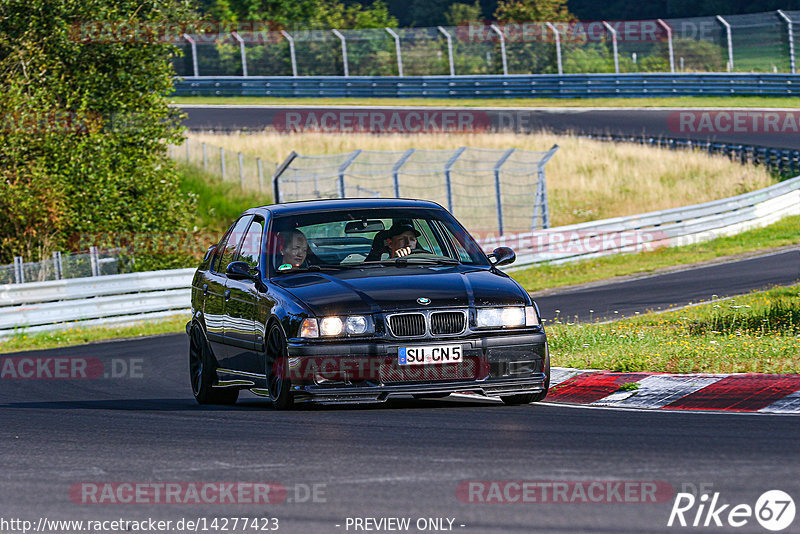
{"points": [[332, 240]]}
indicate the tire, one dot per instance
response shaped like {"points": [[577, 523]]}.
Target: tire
{"points": [[203, 374], [277, 355], [527, 398]]}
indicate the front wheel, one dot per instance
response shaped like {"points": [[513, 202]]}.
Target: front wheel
{"points": [[202, 373], [277, 355], [527, 398]]}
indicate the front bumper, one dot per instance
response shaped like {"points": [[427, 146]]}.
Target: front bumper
{"points": [[357, 371]]}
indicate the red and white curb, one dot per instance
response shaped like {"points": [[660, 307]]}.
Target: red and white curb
{"points": [[765, 393]]}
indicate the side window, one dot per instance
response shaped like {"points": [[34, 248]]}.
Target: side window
{"points": [[232, 243], [251, 246], [220, 249], [427, 239]]}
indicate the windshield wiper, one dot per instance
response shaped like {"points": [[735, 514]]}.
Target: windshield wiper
{"points": [[405, 260]]}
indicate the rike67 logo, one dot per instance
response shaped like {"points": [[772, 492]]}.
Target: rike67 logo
{"points": [[774, 510]]}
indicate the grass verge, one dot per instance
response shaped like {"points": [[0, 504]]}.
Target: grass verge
{"points": [[547, 276], [755, 333], [676, 102], [82, 335]]}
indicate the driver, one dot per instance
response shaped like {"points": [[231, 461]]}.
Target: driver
{"points": [[401, 239], [294, 251]]}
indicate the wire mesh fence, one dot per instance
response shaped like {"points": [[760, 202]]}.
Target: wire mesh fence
{"points": [[491, 191], [62, 266], [234, 167], [759, 42]]}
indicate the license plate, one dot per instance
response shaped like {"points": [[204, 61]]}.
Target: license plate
{"points": [[426, 354]]}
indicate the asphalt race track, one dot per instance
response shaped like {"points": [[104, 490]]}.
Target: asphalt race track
{"points": [[401, 459], [656, 122]]}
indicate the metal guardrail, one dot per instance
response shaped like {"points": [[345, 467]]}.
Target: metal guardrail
{"points": [[494, 86], [112, 299], [126, 298], [672, 227]]}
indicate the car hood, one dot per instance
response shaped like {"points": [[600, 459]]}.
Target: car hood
{"points": [[391, 288]]}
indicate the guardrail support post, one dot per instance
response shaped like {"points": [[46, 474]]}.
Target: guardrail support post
{"points": [[397, 51], [193, 44], [338, 34], [447, 181], [291, 52], [730, 41], [94, 260], [669, 44], [789, 28], [19, 272], [58, 267], [613, 33], [449, 50], [396, 170], [343, 167], [558, 46], [502, 47], [242, 52], [497, 192]]}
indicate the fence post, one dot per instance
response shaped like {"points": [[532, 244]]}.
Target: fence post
{"points": [[19, 272], [558, 46], [541, 188], [94, 260], [396, 170], [276, 191], [613, 33], [502, 47], [205, 158], [397, 51], [343, 167], [193, 44], [241, 52], [338, 34], [291, 51], [58, 268], [260, 175], [222, 162], [241, 171], [669, 44], [449, 50], [188, 155], [730, 41], [788, 20], [497, 193], [447, 181]]}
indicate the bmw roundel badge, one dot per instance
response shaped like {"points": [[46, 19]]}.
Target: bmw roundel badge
{"points": [[424, 301]]}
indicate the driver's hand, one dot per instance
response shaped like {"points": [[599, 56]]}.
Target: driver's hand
{"points": [[405, 251]]}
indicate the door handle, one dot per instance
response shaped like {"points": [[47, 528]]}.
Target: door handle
{"points": [[227, 294], [205, 289]]}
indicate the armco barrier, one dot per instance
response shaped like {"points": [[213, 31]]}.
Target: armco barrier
{"points": [[672, 227], [494, 86], [126, 298], [121, 298]]}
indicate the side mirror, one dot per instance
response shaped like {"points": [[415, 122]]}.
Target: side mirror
{"points": [[240, 270], [502, 256]]}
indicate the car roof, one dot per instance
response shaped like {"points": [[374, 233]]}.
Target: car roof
{"points": [[310, 206]]}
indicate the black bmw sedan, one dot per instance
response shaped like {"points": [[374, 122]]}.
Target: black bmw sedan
{"points": [[360, 300]]}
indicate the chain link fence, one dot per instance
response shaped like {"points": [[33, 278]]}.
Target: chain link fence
{"points": [[759, 42], [235, 167], [490, 191], [61, 266]]}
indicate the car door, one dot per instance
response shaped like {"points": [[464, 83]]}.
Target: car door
{"points": [[241, 306], [218, 293]]}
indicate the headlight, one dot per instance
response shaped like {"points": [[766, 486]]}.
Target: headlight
{"points": [[500, 317], [336, 326]]}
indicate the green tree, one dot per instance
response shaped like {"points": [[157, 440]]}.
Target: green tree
{"points": [[533, 10], [85, 127]]}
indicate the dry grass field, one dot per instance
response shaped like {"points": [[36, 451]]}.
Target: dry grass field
{"points": [[586, 179]]}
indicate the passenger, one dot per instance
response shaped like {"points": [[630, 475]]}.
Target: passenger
{"points": [[294, 252]]}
